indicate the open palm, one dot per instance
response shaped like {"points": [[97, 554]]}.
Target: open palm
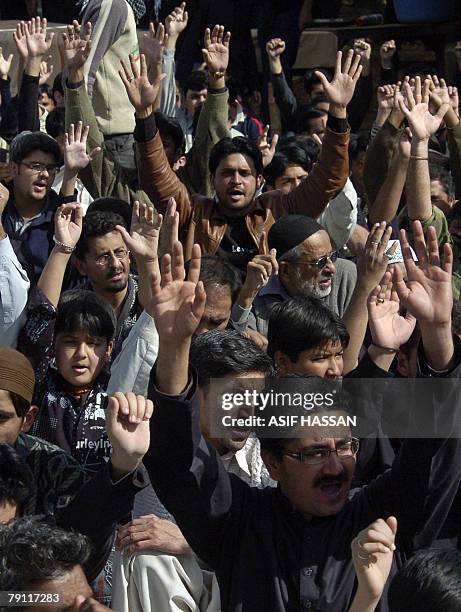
{"points": [[141, 92], [68, 222], [177, 304], [216, 51], [144, 234], [37, 39]]}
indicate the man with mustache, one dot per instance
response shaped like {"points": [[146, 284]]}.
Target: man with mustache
{"points": [[288, 548], [307, 267]]}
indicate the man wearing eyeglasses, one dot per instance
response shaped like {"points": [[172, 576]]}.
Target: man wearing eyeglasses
{"points": [[289, 549], [28, 217], [308, 266]]}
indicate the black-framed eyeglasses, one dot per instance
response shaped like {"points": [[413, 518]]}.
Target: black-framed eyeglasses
{"points": [[105, 258], [38, 167], [319, 263], [320, 455]]}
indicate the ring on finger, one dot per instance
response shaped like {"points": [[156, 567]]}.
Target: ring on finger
{"points": [[375, 242], [380, 300], [363, 557]]}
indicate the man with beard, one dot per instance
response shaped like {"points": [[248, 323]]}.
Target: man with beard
{"points": [[308, 266]]}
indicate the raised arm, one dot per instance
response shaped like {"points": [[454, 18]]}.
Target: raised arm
{"points": [[387, 201], [38, 43], [330, 174], [284, 97], [67, 230], [422, 125], [175, 24]]}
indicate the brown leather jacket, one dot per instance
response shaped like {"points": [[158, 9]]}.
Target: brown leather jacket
{"points": [[200, 218]]}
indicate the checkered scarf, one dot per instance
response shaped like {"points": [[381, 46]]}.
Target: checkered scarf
{"points": [[138, 6]]}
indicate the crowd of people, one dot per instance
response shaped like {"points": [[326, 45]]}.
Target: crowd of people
{"points": [[167, 225]]}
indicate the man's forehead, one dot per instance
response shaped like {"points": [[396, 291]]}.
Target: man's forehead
{"points": [[40, 156], [111, 240], [320, 241], [237, 161]]}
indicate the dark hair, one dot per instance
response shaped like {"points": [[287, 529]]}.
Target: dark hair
{"points": [[21, 405], [95, 224], [304, 114], [168, 126], [218, 353], [85, 310], [310, 78], [112, 205], [45, 89], [438, 173], [55, 122], [57, 84], [430, 580], [357, 144], [319, 99], [305, 387], [32, 550], [217, 272], [27, 142], [16, 478], [303, 323], [289, 155], [229, 146], [196, 81]]}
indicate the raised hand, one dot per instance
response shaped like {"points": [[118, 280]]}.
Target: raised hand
{"points": [[143, 238], [37, 39], [21, 41], [169, 233], [68, 221], [141, 92], [373, 261], [127, 426], [372, 553], [46, 70], [76, 49], [386, 53], [5, 65], [216, 51], [154, 43], [388, 328], [454, 98], [416, 110], [176, 22], [427, 294], [342, 87], [363, 48], [385, 96], [259, 271], [275, 48], [177, 303], [267, 148], [4, 197], [75, 156]]}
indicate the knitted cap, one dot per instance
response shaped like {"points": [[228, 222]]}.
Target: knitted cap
{"points": [[16, 374], [289, 231]]}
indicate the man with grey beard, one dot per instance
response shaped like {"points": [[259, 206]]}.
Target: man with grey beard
{"points": [[308, 266]]}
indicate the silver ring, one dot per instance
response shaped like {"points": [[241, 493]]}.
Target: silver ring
{"points": [[374, 241], [362, 557]]}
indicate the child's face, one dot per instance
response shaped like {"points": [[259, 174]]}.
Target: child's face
{"points": [[81, 357]]}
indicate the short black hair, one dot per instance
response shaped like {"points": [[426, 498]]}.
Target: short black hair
{"points": [[430, 580], [304, 114], [16, 478], [57, 84], [85, 310], [302, 386], [229, 146], [45, 89], [218, 353], [55, 122], [196, 81], [27, 142], [112, 205], [303, 323], [32, 550], [214, 271], [169, 126], [319, 99], [311, 79], [289, 155], [358, 143], [21, 405], [95, 224], [438, 173]]}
